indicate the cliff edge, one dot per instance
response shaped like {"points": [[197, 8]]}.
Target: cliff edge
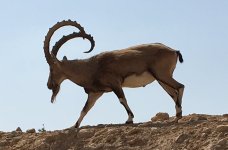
{"points": [[192, 132]]}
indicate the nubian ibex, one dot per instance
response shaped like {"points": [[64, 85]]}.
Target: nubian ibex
{"points": [[110, 71]]}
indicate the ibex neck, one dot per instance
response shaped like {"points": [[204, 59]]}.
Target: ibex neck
{"points": [[78, 71]]}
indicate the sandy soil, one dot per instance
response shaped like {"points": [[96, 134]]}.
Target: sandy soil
{"points": [[192, 132]]}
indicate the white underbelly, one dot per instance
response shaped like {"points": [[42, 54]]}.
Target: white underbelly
{"points": [[134, 80]]}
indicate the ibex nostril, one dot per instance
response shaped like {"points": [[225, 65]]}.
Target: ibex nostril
{"points": [[49, 86]]}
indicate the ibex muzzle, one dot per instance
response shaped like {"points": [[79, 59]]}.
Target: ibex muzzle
{"points": [[110, 71], [50, 84], [54, 80], [54, 87]]}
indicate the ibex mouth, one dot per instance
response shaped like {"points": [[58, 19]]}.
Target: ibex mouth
{"points": [[55, 91], [49, 86]]}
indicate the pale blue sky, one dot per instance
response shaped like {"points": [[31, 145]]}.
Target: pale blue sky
{"points": [[199, 29]]}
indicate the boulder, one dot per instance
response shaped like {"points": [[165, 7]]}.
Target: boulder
{"points": [[222, 128], [160, 117], [31, 131], [18, 129]]}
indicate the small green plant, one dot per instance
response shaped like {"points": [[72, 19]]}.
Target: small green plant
{"points": [[42, 129]]}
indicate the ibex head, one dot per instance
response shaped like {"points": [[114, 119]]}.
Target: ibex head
{"points": [[56, 75]]}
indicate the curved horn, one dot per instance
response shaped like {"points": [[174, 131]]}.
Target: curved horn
{"points": [[51, 32], [64, 39]]}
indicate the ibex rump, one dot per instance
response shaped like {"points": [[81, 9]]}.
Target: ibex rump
{"points": [[110, 71]]}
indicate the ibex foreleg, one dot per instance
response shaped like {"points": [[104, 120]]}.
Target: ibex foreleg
{"points": [[120, 94], [92, 98]]}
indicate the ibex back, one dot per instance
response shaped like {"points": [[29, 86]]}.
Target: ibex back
{"points": [[132, 67]]}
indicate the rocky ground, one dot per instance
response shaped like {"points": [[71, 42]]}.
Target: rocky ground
{"points": [[192, 132]]}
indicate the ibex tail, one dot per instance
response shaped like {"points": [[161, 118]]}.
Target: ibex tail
{"points": [[180, 56]]}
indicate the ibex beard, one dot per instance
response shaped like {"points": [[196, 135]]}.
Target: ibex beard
{"points": [[55, 91]]}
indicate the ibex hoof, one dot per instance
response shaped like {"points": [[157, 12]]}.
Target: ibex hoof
{"points": [[176, 120], [76, 125], [178, 117], [129, 122]]}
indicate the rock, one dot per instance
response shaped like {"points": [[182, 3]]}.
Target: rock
{"points": [[225, 115], [220, 145], [213, 118], [137, 142], [18, 129], [222, 128], [86, 133], [13, 134], [163, 135], [204, 135], [31, 131], [224, 119], [160, 117], [15, 139], [184, 120], [197, 118], [134, 131], [153, 128], [146, 124], [3, 143], [223, 143], [181, 138], [206, 130]]}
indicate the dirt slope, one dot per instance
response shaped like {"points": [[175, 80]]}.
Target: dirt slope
{"points": [[192, 132]]}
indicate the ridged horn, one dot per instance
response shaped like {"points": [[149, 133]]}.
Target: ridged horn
{"points": [[52, 31], [64, 39]]}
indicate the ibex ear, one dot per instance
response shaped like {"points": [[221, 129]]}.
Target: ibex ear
{"points": [[64, 58]]}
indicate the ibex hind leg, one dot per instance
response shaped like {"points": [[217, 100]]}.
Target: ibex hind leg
{"points": [[178, 87], [174, 95]]}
